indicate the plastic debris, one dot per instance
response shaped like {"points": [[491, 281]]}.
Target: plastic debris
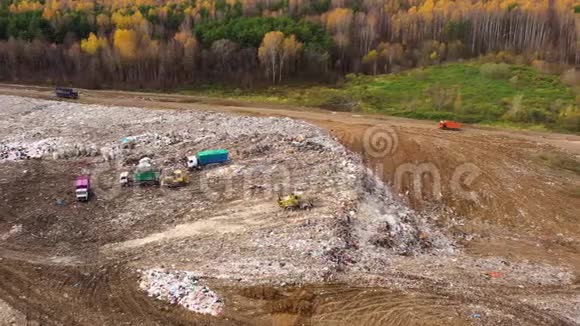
{"points": [[15, 230], [181, 288]]}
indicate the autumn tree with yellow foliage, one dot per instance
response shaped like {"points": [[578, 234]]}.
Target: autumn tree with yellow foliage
{"points": [[125, 41], [92, 44], [277, 52]]}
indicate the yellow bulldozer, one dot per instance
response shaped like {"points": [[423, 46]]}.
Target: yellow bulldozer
{"points": [[177, 178], [294, 201]]}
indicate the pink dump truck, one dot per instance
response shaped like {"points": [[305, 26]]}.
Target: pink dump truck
{"points": [[83, 187]]}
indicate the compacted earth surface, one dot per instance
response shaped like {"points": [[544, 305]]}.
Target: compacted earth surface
{"points": [[408, 225]]}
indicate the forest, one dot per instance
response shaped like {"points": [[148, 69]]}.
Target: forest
{"points": [[166, 44]]}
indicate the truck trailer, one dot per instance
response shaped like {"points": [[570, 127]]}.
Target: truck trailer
{"points": [[147, 178], [214, 156]]}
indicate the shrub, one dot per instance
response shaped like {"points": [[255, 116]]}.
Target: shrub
{"points": [[412, 104], [557, 106], [340, 102], [351, 77], [458, 103], [516, 112], [505, 56], [537, 115], [514, 80], [571, 77], [521, 60], [541, 66], [570, 118], [441, 97], [495, 70], [419, 74]]}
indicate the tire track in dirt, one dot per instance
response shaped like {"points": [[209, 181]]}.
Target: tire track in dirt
{"points": [[24, 294], [107, 295], [380, 307]]}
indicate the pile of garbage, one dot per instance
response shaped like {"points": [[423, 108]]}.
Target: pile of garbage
{"points": [[14, 151], [49, 147], [354, 221], [181, 288]]}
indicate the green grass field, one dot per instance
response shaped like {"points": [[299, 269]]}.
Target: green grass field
{"points": [[494, 94]]}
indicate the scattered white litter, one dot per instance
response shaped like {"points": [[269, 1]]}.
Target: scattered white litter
{"points": [[182, 288], [16, 229]]}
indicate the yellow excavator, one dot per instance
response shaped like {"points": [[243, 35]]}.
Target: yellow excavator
{"points": [[176, 179], [294, 201]]}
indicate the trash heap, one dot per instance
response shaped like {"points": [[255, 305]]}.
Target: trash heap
{"points": [[181, 288], [49, 147], [13, 153], [354, 226]]}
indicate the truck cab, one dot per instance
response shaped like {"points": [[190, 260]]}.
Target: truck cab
{"points": [[124, 179], [191, 162], [82, 188]]}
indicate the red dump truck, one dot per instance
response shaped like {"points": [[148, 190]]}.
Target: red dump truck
{"points": [[83, 187], [449, 125]]}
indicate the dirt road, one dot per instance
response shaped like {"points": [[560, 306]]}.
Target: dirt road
{"points": [[516, 192]]}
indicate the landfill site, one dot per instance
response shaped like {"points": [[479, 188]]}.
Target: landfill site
{"points": [[304, 219]]}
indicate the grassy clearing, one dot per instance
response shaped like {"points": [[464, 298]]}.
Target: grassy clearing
{"points": [[494, 94]]}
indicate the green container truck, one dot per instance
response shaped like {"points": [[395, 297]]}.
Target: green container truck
{"points": [[147, 178], [147, 173], [214, 156]]}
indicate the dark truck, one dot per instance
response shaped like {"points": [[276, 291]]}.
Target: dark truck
{"points": [[66, 92]]}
